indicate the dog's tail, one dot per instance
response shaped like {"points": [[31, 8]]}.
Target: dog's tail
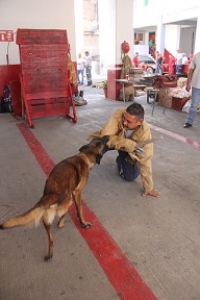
{"points": [[32, 216]]}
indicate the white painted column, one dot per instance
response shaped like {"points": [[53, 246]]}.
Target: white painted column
{"points": [[115, 27], [160, 35], [78, 26], [124, 26]]}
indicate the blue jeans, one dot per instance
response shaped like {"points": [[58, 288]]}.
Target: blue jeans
{"points": [[158, 69], [194, 105], [127, 171], [178, 70], [80, 78]]}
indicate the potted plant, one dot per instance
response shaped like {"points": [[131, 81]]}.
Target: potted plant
{"points": [[105, 87]]}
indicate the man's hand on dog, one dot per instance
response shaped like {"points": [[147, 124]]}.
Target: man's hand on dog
{"points": [[152, 193]]}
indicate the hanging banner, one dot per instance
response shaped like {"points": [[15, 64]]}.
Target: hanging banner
{"points": [[6, 36]]}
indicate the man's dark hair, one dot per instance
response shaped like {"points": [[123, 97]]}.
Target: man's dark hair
{"points": [[136, 109]]}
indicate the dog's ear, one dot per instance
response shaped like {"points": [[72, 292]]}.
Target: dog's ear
{"points": [[105, 139], [84, 148], [98, 158]]}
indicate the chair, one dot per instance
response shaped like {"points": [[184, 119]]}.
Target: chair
{"points": [[44, 77]]}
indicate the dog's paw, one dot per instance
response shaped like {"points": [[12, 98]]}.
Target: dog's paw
{"points": [[48, 258], [61, 224], [86, 225]]}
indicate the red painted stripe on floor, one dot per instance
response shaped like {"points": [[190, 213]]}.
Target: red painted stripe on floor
{"points": [[39, 152], [120, 272], [125, 279], [176, 136]]}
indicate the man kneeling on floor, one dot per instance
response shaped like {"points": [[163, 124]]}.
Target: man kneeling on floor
{"points": [[126, 128]]}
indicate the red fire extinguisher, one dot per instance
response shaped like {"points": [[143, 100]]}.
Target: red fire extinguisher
{"points": [[125, 47]]}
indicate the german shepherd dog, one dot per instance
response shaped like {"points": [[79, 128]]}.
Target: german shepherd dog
{"points": [[63, 186]]}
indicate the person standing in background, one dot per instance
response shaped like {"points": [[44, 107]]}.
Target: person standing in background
{"points": [[137, 42], [193, 81], [136, 60], [184, 59], [150, 43], [88, 67], [80, 68], [179, 58], [159, 60], [151, 47]]}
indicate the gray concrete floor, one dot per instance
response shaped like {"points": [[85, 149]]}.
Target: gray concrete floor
{"points": [[160, 237]]}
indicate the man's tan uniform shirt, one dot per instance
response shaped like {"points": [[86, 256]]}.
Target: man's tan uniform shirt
{"points": [[118, 140]]}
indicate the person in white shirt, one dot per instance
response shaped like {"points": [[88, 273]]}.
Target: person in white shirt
{"points": [[80, 68], [184, 59], [88, 67], [179, 58], [193, 82]]}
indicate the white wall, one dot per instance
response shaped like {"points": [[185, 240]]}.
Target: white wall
{"points": [[170, 10], [107, 31], [187, 44], [37, 14], [115, 26], [124, 19], [172, 38], [141, 49], [78, 25], [177, 36]]}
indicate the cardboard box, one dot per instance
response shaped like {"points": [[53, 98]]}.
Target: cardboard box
{"points": [[164, 98]]}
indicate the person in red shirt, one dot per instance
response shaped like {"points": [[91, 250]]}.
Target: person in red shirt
{"points": [[172, 61], [136, 60]]}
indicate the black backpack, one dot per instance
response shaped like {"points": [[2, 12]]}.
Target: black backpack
{"points": [[6, 101]]}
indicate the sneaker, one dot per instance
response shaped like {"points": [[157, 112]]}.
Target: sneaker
{"points": [[187, 125], [79, 101]]}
